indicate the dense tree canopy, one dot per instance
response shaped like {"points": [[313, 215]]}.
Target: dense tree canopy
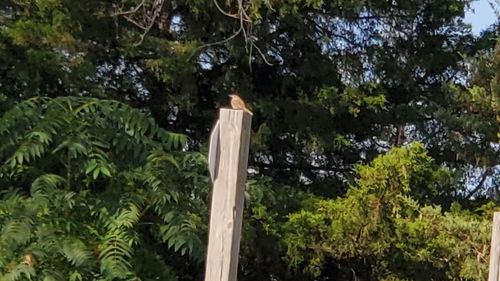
{"points": [[375, 142], [78, 204]]}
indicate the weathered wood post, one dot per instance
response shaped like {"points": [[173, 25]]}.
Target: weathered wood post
{"points": [[495, 249], [228, 159]]}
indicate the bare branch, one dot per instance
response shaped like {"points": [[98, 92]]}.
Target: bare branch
{"points": [[156, 13], [222, 41], [131, 11], [262, 55], [224, 12], [152, 11], [246, 27], [131, 20]]}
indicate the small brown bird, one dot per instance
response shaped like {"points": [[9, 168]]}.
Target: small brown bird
{"points": [[239, 103]]}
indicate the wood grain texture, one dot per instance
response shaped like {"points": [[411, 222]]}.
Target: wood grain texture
{"points": [[214, 152], [495, 249], [226, 213]]}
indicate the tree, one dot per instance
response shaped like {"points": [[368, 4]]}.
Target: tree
{"points": [[380, 229], [94, 189], [363, 74], [466, 128], [332, 84]]}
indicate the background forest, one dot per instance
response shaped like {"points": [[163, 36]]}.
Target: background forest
{"points": [[374, 153]]}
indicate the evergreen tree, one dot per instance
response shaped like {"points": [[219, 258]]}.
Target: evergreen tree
{"points": [[95, 184]]}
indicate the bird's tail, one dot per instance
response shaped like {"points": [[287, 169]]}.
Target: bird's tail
{"points": [[248, 110]]}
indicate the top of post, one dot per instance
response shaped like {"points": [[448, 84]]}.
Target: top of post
{"points": [[234, 111]]}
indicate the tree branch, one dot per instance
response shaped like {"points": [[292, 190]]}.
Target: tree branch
{"points": [[480, 184]]}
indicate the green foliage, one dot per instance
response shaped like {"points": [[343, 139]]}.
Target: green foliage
{"points": [[93, 189], [380, 228], [93, 205]]}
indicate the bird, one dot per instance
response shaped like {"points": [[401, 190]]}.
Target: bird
{"points": [[239, 103]]}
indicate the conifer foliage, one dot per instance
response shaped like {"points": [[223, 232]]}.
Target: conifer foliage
{"points": [[374, 152], [386, 233]]}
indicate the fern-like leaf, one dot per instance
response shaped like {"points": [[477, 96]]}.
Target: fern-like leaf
{"points": [[76, 252], [18, 230], [18, 272], [115, 255]]}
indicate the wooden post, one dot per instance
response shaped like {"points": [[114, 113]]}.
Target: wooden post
{"points": [[495, 249], [226, 213]]}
